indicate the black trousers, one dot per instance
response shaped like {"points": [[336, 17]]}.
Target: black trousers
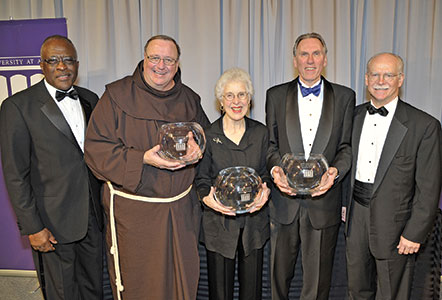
{"points": [[74, 270], [221, 274], [317, 250], [369, 277]]}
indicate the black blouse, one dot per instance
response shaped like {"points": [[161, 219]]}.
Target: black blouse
{"points": [[220, 232]]}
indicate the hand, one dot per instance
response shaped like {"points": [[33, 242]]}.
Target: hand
{"points": [[210, 201], [262, 198], [407, 247], [280, 180], [193, 151], [152, 158], [327, 181], [42, 241]]}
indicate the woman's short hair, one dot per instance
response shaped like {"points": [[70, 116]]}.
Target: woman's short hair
{"points": [[233, 75]]}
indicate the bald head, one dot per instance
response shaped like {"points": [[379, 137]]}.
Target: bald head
{"points": [[387, 55], [56, 37]]}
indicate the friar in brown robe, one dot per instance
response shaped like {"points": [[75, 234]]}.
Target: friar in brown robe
{"points": [[156, 241]]}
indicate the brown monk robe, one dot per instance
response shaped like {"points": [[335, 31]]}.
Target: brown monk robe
{"points": [[157, 242]]}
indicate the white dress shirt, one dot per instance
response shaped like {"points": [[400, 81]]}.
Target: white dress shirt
{"points": [[373, 135], [72, 112], [310, 108]]}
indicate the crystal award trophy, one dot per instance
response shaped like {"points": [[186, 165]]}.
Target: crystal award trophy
{"points": [[304, 174], [238, 188], [182, 141]]}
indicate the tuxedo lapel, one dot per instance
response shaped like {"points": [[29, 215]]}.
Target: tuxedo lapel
{"points": [[325, 125], [358, 122], [396, 134], [54, 114], [293, 125], [87, 108]]}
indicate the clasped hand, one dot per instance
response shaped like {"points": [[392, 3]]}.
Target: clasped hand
{"points": [[42, 241], [407, 247]]}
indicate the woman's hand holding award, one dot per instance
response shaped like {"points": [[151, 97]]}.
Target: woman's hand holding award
{"points": [[238, 188]]}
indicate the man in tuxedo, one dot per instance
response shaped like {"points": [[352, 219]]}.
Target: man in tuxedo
{"points": [[313, 116], [54, 196], [395, 185]]}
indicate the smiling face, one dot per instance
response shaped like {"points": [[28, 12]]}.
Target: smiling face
{"points": [[383, 79], [310, 59], [60, 75], [235, 109], [159, 76]]}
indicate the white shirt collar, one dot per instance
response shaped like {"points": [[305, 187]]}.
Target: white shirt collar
{"points": [[52, 90]]}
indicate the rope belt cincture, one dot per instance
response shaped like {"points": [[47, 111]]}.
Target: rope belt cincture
{"points": [[114, 247]]}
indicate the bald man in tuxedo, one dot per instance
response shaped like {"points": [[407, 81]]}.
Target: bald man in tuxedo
{"points": [[54, 195], [395, 185]]}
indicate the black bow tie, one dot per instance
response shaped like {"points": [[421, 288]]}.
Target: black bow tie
{"points": [[60, 95], [381, 110]]}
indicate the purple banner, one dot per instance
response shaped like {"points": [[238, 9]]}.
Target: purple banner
{"points": [[19, 68]]}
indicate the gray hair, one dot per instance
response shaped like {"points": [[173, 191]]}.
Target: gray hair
{"points": [[310, 35], [400, 61], [233, 75]]}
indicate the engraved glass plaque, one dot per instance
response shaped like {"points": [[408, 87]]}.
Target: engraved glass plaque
{"points": [[238, 188], [304, 174], [182, 141]]}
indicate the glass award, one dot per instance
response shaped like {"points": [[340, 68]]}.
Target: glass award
{"points": [[182, 142], [238, 188], [304, 173]]}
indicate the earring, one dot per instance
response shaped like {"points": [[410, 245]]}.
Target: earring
{"points": [[221, 107]]}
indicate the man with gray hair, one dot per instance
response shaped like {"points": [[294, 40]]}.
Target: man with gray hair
{"points": [[395, 185], [308, 115]]}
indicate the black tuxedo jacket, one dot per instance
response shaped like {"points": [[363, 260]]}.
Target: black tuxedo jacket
{"points": [[332, 140], [407, 184], [48, 182]]}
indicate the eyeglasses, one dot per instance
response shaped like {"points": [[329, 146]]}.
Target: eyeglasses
{"points": [[168, 61], [67, 60], [241, 96], [386, 76]]}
